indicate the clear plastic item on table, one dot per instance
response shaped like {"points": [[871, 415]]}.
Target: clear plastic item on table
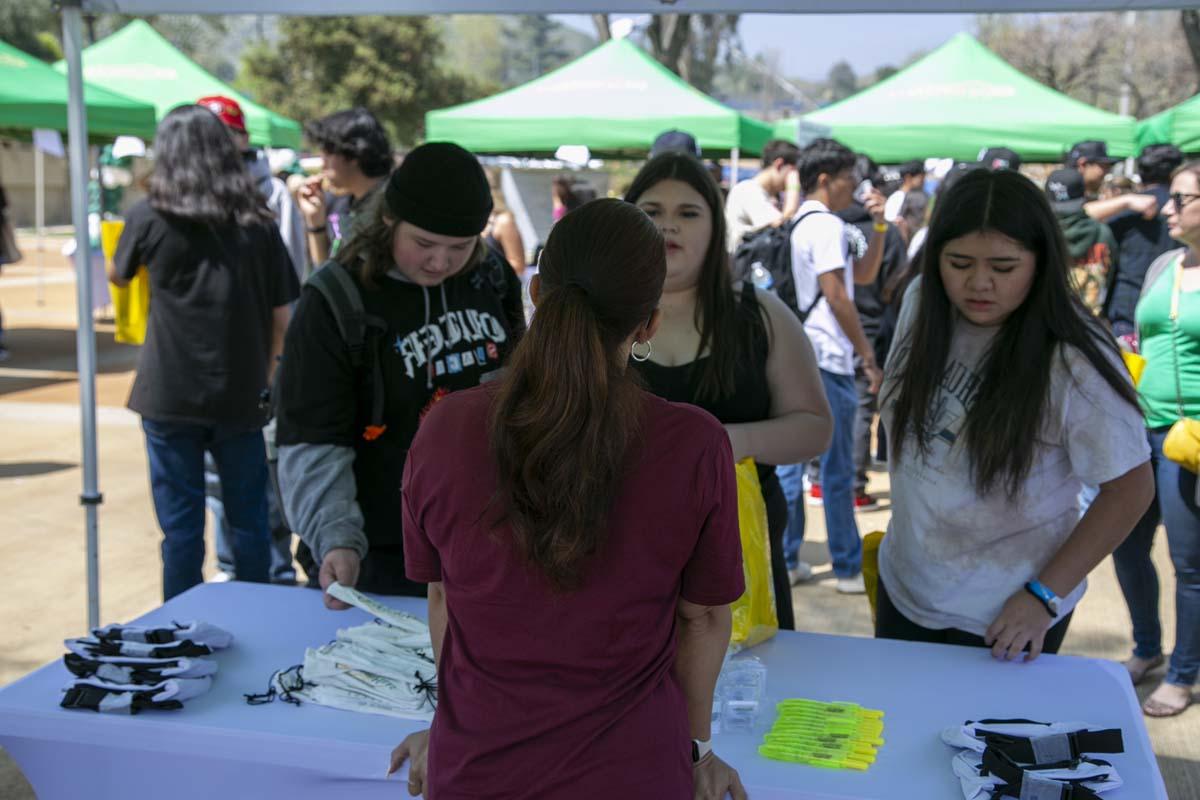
{"points": [[741, 690]]}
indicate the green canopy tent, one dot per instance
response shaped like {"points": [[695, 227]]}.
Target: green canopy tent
{"points": [[139, 63], [962, 98], [1179, 125], [614, 100], [33, 95]]}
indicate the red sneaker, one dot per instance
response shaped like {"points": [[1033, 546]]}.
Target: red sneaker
{"points": [[815, 498], [865, 502]]}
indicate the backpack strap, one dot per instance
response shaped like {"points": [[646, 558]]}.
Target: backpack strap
{"points": [[344, 299], [791, 227]]}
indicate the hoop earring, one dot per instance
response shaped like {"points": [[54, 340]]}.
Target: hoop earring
{"points": [[633, 350]]}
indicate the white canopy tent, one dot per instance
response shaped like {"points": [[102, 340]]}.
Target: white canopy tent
{"points": [[73, 11]]}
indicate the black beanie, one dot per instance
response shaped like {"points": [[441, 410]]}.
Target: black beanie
{"points": [[440, 187]]}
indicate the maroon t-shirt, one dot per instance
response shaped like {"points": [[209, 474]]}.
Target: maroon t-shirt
{"points": [[571, 695]]}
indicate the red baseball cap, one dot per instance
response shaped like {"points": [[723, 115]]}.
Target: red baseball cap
{"points": [[226, 109]]}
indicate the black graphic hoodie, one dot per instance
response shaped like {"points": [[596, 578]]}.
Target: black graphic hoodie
{"points": [[339, 474]]}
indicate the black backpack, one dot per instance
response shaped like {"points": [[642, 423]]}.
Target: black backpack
{"points": [[768, 253]]}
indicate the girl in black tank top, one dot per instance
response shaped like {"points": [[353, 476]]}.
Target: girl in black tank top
{"points": [[738, 353]]}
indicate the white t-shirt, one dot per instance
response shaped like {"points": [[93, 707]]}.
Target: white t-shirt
{"points": [[891, 209], [819, 245], [951, 558], [748, 208]]}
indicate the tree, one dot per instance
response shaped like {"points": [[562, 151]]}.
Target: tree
{"points": [[1085, 56], [693, 46], [1189, 20], [533, 46], [843, 82], [32, 26], [391, 65]]}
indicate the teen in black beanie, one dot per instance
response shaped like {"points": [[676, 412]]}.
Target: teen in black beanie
{"points": [[442, 312]]}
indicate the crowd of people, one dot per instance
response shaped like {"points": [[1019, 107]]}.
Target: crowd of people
{"points": [[356, 363]]}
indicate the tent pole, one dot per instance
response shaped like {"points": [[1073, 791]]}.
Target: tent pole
{"points": [[39, 180], [733, 167], [85, 337]]}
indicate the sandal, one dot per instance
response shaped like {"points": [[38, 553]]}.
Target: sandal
{"points": [[1154, 707], [1139, 668]]}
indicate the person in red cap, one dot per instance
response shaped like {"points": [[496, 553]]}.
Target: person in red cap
{"points": [[291, 229]]}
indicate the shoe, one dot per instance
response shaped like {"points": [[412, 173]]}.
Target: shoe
{"points": [[853, 585], [801, 573], [1139, 668], [1168, 700], [805, 482], [815, 498], [220, 577], [4, 354], [865, 502]]}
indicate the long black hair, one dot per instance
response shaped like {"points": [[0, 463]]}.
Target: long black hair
{"points": [[1002, 426], [718, 312], [199, 175]]}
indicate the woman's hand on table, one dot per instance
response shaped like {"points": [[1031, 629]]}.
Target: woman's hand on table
{"points": [[713, 779], [1022, 621], [414, 749]]}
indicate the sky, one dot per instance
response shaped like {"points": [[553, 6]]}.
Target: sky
{"points": [[809, 44]]}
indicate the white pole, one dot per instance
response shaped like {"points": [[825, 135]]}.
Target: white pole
{"points": [[1127, 77], [733, 167], [39, 180], [85, 337]]}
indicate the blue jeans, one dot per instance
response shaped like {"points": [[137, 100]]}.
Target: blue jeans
{"points": [[837, 477], [1175, 506], [176, 455], [282, 570], [791, 478]]}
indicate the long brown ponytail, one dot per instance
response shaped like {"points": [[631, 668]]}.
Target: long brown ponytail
{"points": [[567, 413]]}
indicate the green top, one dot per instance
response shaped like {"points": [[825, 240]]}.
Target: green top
{"points": [[139, 63], [615, 99], [33, 95], [962, 98], [1155, 331]]}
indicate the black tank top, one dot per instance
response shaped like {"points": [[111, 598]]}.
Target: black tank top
{"points": [[751, 400]]}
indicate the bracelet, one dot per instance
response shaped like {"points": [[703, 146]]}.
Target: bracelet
{"points": [[316, 229], [881, 227]]}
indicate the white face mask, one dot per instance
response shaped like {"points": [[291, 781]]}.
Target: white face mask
{"points": [[198, 632], [383, 667]]}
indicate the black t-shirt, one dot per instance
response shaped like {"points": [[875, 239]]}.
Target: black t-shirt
{"points": [[340, 212], [213, 292], [438, 340], [1139, 241]]}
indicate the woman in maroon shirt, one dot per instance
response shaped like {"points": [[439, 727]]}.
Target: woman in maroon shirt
{"points": [[580, 540]]}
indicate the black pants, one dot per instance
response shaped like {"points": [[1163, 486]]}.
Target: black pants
{"points": [[891, 624], [777, 517]]}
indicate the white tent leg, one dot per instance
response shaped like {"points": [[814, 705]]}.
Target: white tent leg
{"points": [[85, 337], [733, 167], [39, 180]]}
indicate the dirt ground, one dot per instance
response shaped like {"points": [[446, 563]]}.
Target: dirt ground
{"points": [[42, 535]]}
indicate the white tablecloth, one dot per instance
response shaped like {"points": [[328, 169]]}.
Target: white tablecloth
{"points": [[220, 747]]}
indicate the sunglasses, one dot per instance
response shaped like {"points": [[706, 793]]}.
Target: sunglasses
{"points": [[1181, 199]]}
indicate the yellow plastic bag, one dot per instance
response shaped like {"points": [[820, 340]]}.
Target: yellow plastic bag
{"points": [[1182, 444], [131, 304], [754, 618], [1136, 365], [870, 567]]}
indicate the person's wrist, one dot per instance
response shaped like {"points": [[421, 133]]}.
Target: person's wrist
{"points": [[880, 226]]}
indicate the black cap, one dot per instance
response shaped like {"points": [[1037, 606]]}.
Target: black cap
{"points": [[440, 187], [999, 158], [674, 141], [1065, 190], [1092, 150]]}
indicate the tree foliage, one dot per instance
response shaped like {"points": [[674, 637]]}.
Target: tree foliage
{"points": [[843, 81], [1088, 56], [391, 65], [32, 26], [693, 46]]}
